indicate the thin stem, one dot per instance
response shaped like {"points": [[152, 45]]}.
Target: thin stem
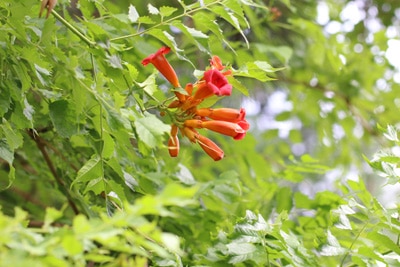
{"points": [[73, 29], [42, 147], [352, 244], [101, 132], [166, 22]]}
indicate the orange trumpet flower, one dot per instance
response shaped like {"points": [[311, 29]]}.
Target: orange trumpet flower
{"points": [[224, 114], [235, 130], [173, 142], [216, 63], [213, 83], [214, 151], [162, 65]]}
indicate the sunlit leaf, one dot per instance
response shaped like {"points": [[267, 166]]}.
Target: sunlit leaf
{"points": [[166, 11], [152, 10], [150, 130], [133, 14]]}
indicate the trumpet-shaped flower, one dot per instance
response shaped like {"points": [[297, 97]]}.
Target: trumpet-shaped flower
{"points": [[162, 65], [190, 133], [214, 151], [224, 114], [245, 126], [213, 83], [216, 63], [235, 130], [187, 117], [226, 128], [173, 142]]}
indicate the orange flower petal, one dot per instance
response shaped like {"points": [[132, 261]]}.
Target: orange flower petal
{"points": [[214, 151], [162, 65], [224, 127]]}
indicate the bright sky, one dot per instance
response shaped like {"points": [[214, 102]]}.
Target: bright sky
{"points": [[353, 14]]}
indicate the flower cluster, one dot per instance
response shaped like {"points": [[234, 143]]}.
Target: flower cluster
{"points": [[187, 117]]}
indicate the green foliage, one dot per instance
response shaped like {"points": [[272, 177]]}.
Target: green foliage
{"points": [[85, 175]]}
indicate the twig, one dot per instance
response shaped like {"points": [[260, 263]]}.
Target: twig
{"points": [[41, 144], [73, 29], [166, 22]]}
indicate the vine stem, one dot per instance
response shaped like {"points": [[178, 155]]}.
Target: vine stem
{"points": [[73, 29], [352, 244], [166, 22], [92, 60]]}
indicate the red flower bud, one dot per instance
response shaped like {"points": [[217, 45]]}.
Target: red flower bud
{"points": [[173, 142], [173, 146]]}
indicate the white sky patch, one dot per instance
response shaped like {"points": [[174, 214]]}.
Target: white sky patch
{"points": [[352, 13], [333, 27], [251, 106], [393, 53], [322, 13], [277, 103]]}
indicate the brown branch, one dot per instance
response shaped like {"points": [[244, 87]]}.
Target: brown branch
{"points": [[39, 224], [41, 144], [58, 153], [27, 197]]}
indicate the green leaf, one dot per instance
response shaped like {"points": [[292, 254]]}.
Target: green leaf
{"points": [[114, 61], [165, 37], [284, 53], [108, 146], [236, 248], [333, 248], [284, 199], [149, 85], [28, 110], [63, 117], [115, 120], [146, 20], [231, 18], [90, 171], [256, 70], [8, 155], [238, 85], [185, 176], [384, 241], [166, 11], [190, 32], [14, 138], [150, 130], [205, 22], [5, 151], [39, 72], [51, 216], [133, 72], [72, 245], [391, 133], [4, 100]]}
